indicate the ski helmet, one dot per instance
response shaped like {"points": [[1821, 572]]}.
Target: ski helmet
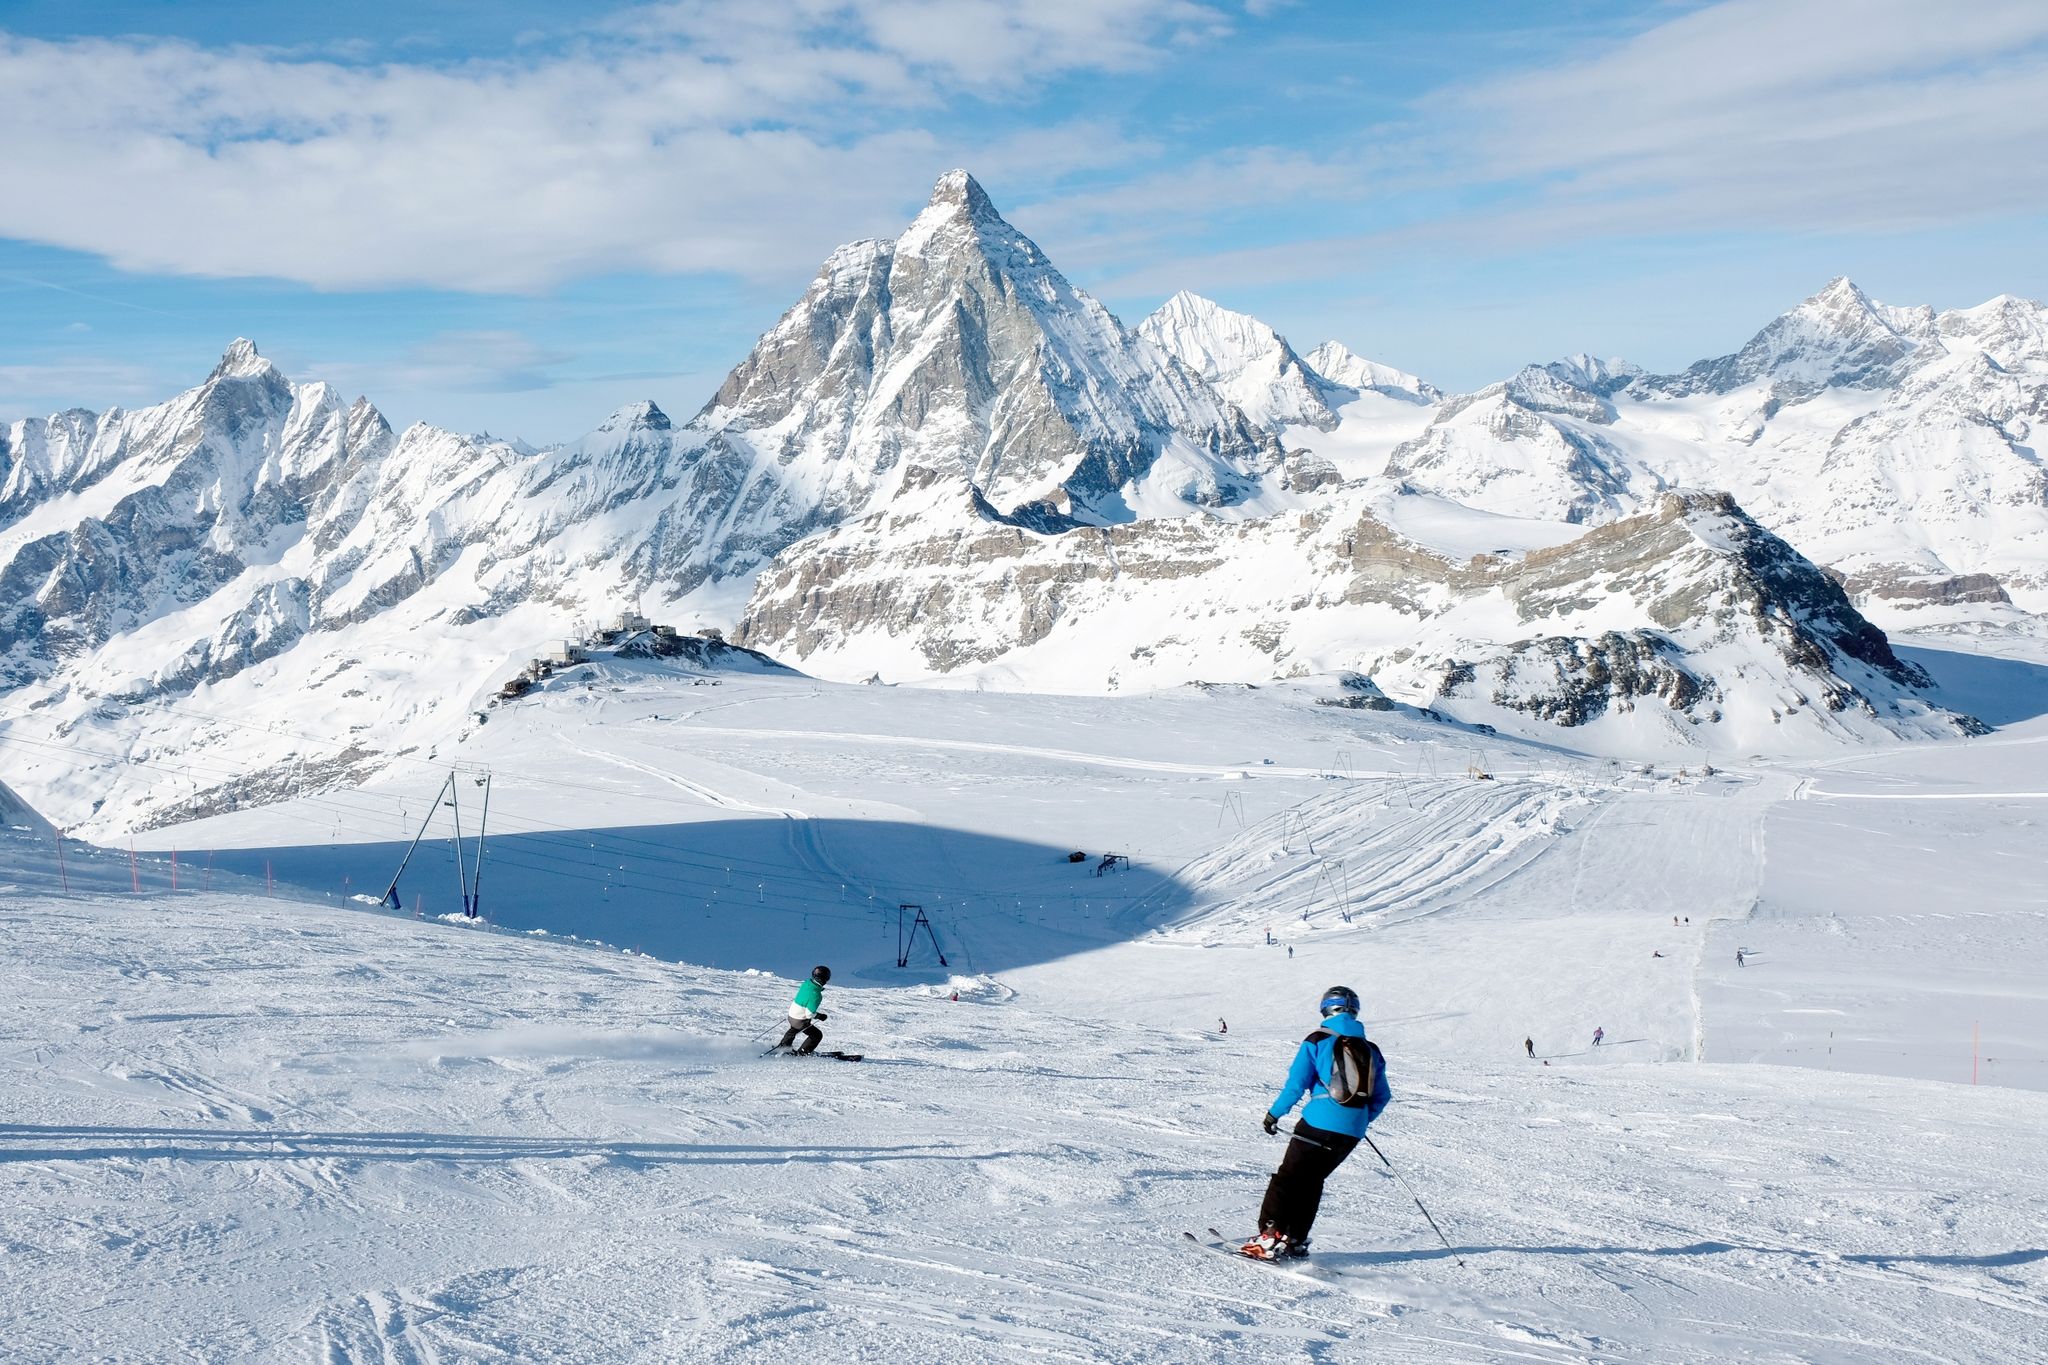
{"points": [[1340, 1000], [821, 974]]}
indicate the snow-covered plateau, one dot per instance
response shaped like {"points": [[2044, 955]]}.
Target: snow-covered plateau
{"points": [[258, 1118]]}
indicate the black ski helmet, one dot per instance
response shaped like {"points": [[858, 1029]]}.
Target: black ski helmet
{"points": [[1340, 1000], [823, 974]]}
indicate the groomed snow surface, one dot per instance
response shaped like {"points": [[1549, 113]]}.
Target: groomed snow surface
{"points": [[242, 1126]]}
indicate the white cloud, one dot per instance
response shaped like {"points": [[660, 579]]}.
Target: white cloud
{"points": [[708, 136], [487, 361], [1789, 116], [51, 387], [1798, 114]]}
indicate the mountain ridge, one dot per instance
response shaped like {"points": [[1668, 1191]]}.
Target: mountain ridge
{"points": [[255, 538]]}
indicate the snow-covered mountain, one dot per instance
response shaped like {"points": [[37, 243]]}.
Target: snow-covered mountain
{"points": [[948, 423], [250, 511], [1245, 361], [1896, 446], [958, 352], [1686, 626], [1338, 413]]}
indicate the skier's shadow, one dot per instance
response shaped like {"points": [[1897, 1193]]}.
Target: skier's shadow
{"points": [[1339, 1260], [39, 1142]]}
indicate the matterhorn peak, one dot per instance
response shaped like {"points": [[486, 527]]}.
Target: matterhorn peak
{"points": [[959, 191], [241, 360], [960, 216]]}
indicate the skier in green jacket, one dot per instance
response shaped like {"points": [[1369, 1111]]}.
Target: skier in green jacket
{"points": [[804, 1014]]}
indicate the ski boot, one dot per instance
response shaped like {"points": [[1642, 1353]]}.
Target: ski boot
{"points": [[1296, 1250], [1269, 1245]]}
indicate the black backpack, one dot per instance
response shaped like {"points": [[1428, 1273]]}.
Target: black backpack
{"points": [[1354, 1068]]}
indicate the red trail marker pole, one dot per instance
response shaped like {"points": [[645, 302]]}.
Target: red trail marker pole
{"points": [[63, 873], [174, 869]]}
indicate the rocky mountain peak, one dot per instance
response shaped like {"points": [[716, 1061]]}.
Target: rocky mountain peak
{"points": [[1841, 293], [958, 192], [643, 415], [960, 216], [1837, 337], [241, 360], [1594, 375], [959, 349]]}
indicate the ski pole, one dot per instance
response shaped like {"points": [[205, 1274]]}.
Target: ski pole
{"points": [[1418, 1203]]}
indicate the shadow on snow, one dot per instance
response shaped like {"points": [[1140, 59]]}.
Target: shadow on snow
{"points": [[1996, 691], [774, 894], [1337, 1260], [37, 1142]]}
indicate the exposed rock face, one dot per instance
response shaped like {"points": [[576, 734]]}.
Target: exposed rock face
{"points": [[1692, 605], [960, 350], [1571, 682]]}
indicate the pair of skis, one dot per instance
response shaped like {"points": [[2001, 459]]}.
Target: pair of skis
{"points": [[1217, 1242], [835, 1056]]}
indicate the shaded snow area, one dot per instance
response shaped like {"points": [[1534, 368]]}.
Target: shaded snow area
{"points": [[256, 1118]]}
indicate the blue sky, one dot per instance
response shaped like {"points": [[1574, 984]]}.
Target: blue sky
{"points": [[521, 216]]}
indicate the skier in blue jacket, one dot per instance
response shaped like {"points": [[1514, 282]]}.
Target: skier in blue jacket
{"points": [[1329, 1128]]}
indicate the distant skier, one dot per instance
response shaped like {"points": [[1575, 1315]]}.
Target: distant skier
{"points": [[803, 1011], [1290, 952], [1529, 1046], [1598, 1034], [1738, 958], [1345, 1080], [1654, 953], [1223, 1026]]}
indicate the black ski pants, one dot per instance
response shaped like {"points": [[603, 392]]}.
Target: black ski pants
{"points": [[1296, 1190], [811, 1034]]}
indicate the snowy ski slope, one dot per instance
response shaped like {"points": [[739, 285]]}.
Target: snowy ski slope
{"points": [[291, 1127]]}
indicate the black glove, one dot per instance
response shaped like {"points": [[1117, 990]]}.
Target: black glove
{"points": [[1271, 1123], [819, 1015]]}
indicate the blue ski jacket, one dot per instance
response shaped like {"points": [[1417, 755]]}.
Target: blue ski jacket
{"points": [[1307, 1076]]}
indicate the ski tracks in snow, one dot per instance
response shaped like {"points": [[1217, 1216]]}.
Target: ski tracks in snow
{"points": [[1386, 851], [1002, 1182]]}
